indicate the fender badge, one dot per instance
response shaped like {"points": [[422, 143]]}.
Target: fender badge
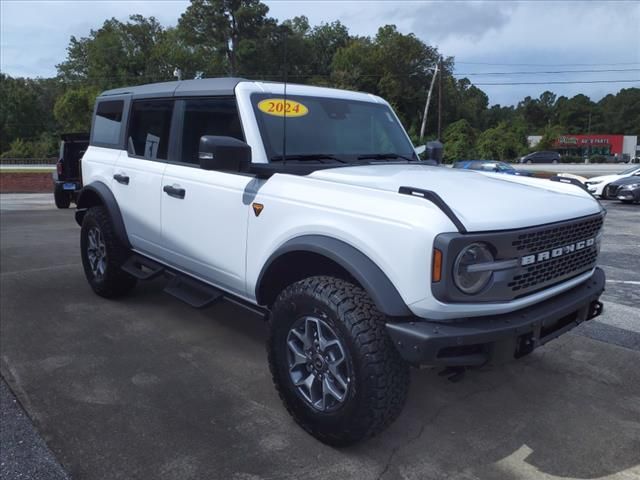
{"points": [[257, 208]]}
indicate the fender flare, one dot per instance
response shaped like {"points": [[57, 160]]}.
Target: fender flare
{"points": [[97, 193], [374, 281]]}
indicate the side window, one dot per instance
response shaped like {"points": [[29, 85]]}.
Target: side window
{"points": [[149, 128], [107, 123], [208, 116]]}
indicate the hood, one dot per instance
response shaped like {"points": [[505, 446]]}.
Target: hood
{"points": [[603, 178], [482, 201], [626, 180]]}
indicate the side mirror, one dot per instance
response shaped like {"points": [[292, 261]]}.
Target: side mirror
{"points": [[435, 152], [420, 149], [223, 153]]}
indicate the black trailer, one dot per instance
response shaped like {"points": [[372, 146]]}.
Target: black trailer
{"points": [[67, 179]]}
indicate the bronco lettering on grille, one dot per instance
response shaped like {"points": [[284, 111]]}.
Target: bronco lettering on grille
{"points": [[556, 252]]}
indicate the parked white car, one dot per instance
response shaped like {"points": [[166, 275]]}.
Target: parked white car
{"points": [[597, 185], [310, 206]]}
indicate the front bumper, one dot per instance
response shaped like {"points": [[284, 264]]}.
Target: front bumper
{"points": [[496, 339], [629, 195]]}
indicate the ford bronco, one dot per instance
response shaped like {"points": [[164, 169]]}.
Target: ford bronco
{"points": [[311, 206]]}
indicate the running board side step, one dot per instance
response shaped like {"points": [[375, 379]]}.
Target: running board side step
{"points": [[142, 268], [191, 291]]}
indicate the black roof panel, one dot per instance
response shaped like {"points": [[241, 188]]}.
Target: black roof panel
{"points": [[205, 86]]}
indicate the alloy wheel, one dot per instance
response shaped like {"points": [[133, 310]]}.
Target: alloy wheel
{"points": [[318, 366]]}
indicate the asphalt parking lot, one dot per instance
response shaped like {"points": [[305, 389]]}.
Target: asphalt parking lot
{"points": [[146, 387]]}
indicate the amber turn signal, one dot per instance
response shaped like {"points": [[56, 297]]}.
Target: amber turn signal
{"points": [[436, 271]]}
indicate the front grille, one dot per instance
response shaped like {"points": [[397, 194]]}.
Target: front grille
{"points": [[562, 267], [546, 256], [557, 236], [528, 279]]}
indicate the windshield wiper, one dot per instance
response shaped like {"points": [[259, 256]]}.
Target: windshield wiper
{"points": [[386, 156], [308, 156]]}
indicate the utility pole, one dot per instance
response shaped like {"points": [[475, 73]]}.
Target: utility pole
{"points": [[426, 105], [440, 103]]}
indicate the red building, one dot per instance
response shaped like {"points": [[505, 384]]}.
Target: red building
{"points": [[590, 145]]}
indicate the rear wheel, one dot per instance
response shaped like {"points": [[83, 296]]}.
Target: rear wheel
{"points": [[332, 362], [103, 254], [62, 198]]}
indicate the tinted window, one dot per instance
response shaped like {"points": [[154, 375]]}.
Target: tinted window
{"points": [[149, 129], [216, 116], [344, 128], [107, 123]]}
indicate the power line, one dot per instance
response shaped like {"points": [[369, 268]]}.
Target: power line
{"points": [[548, 72], [569, 82]]}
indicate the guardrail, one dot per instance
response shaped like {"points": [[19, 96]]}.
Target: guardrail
{"points": [[28, 161]]}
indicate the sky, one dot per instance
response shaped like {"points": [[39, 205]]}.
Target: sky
{"points": [[493, 38]]}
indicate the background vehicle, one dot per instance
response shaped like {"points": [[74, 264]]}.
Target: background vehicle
{"points": [[364, 259], [596, 185], [541, 157], [67, 179], [612, 190], [491, 166], [573, 176], [629, 193]]}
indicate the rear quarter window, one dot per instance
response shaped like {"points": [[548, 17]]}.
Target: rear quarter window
{"points": [[107, 123]]}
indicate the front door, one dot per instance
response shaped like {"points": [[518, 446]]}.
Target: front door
{"points": [[204, 214]]}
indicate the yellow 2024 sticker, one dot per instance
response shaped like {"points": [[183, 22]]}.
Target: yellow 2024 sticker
{"points": [[279, 108]]}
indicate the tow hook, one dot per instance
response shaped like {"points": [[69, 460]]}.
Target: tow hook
{"points": [[595, 309]]}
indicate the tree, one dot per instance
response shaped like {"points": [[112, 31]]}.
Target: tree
{"points": [[459, 139], [116, 54], [26, 107], [74, 108], [236, 33], [549, 137], [502, 142], [573, 113]]}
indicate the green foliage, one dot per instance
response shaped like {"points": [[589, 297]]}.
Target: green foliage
{"points": [[460, 140], [502, 142], [74, 108], [549, 137], [42, 147], [237, 37], [26, 108]]}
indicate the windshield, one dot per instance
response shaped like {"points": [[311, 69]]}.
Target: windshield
{"points": [[330, 130], [629, 171]]}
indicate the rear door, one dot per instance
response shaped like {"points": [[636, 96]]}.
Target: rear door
{"points": [[137, 182], [204, 228]]}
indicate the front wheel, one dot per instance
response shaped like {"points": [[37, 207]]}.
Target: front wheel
{"points": [[333, 363], [103, 254]]}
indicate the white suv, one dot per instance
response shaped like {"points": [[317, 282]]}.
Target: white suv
{"points": [[311, 206]]}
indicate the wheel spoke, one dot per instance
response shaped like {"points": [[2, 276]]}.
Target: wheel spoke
{"points": [[298, 356], [329, 389]]}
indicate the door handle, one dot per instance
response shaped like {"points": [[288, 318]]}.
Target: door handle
{"points": [[120, 178], [175, 192]]}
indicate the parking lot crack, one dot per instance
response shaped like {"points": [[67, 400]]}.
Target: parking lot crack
{"points": [[429, 421]]}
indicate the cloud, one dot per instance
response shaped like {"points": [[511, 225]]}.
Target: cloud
{"points": [[34, 34], [463, 20]]}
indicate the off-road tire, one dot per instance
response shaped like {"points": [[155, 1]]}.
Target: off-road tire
{"points": [[115, 282], [62, 198], [379, 384]]}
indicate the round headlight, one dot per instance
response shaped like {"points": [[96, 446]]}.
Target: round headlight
{"points": [[472, 282]]}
